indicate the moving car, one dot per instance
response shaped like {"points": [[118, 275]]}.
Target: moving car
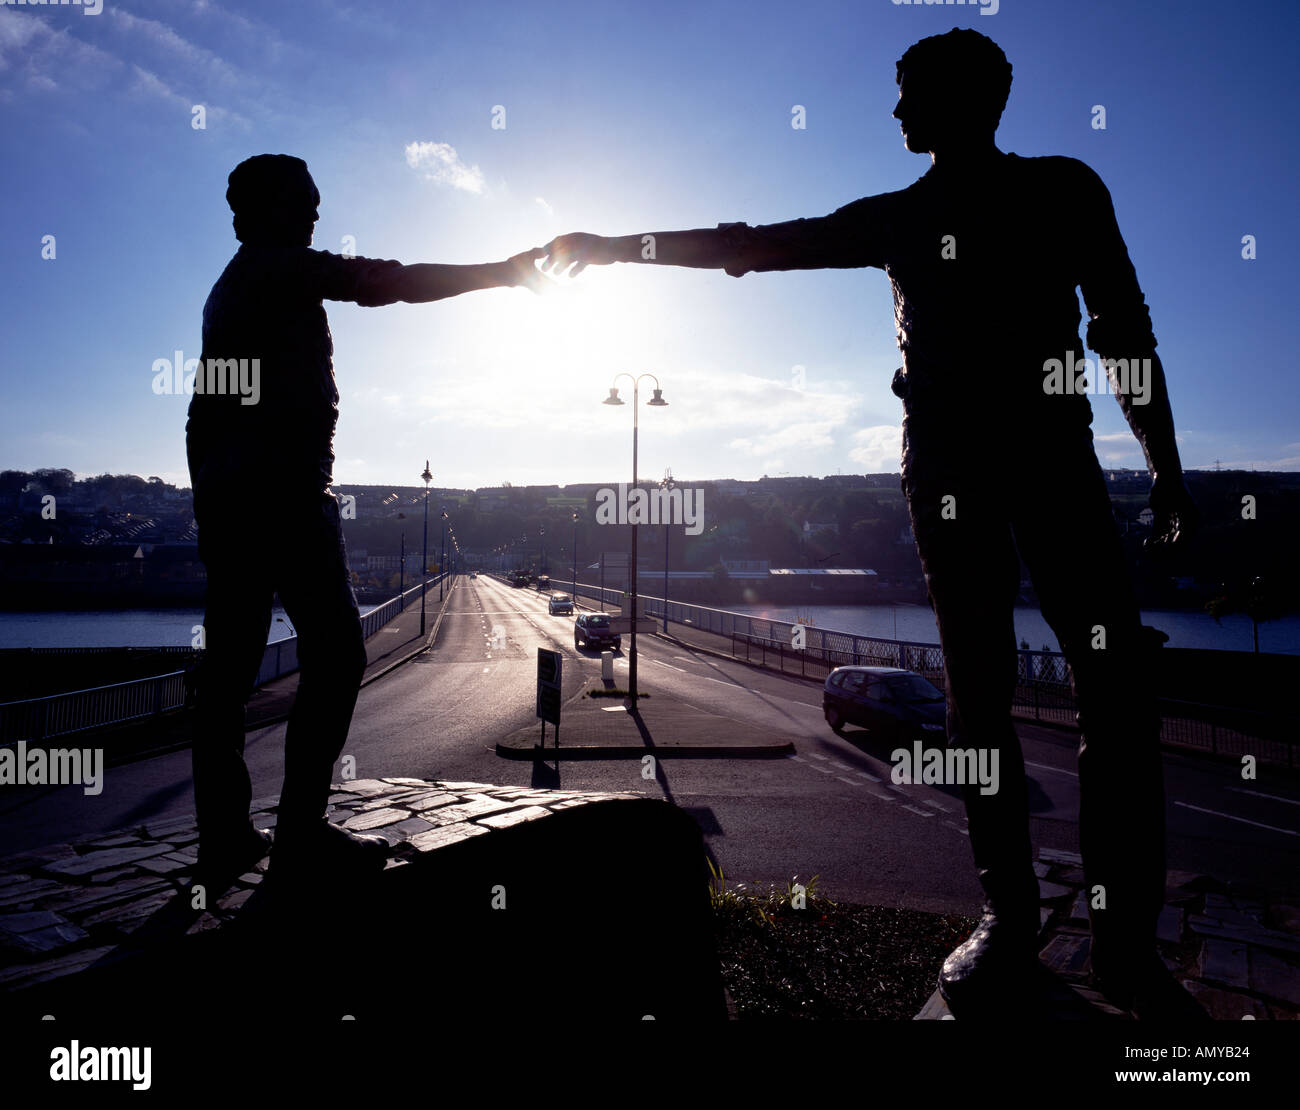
{"points": [[544, 582], [561, 603], [889, 700], [594, 630], [473, 574]]}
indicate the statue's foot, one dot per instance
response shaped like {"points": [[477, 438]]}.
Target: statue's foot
{"points": [[991, 970], [318, 849], [1146, 988], [223, 859]]}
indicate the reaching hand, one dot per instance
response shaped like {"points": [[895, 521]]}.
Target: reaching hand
{"points": [[523, 271], [578, 250], [1176, 515]]}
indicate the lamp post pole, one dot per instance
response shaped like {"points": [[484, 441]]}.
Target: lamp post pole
{"points": [[442, 565], [668, 484], [424, 563], [575, 560], [658, 402]]}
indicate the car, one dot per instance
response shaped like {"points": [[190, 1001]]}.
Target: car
{"points": [[593, 629], [560, 603], [897, 703], [473, 574], [543, 583]]}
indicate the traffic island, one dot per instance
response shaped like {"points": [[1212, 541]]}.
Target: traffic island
{"points": [[659, 724], [582, 905]]}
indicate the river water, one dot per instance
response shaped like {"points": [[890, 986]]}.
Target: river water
{"points": [[121, 628], [916, 623], [174, 627]]}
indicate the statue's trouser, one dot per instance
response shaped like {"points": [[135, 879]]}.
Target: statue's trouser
{"points": [[292, 545], [969, 519]]}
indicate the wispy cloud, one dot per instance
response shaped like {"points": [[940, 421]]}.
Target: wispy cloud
{"points": [[544, 206], [439, 163], [878, 448]]}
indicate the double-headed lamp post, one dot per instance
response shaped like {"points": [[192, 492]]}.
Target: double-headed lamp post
{"points": [[667, 484], [442, 565], [575, 558], [424, 563], [657, 401]]}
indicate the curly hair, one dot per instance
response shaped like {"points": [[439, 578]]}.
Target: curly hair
{"points": [[962, 64]]}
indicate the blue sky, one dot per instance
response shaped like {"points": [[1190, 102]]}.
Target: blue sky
{"points": [[618, 119]]}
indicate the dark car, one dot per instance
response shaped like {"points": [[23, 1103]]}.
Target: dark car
{"points": [[887, 700], [560, 603], [594, 630], [544, 582]]}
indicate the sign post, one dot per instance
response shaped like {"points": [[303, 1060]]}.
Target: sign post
{"points": [[550, 674]]}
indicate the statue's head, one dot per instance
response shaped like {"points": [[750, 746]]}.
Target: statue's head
{"points": [[274, 200], [952, 89]]}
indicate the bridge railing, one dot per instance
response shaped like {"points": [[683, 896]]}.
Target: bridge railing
{"points": [[61, 714], [1043, 688]]}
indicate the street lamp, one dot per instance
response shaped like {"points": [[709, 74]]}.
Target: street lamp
{"points": [[424, 565], [541, 558], [574, 595], [668, 484], [442, 566], [657, 401]]}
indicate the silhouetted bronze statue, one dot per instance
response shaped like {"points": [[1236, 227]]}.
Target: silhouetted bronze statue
{"points": [[984, 253], [261, 464]]}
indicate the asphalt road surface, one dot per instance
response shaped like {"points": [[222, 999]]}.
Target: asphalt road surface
{"points": [[829, 810]]}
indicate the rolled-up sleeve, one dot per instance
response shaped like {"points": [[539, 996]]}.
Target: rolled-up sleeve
{"points": [[1119, 323], [849, 237], [365, 281]]}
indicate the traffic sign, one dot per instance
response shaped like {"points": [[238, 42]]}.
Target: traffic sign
{"points": [[550, 675]]}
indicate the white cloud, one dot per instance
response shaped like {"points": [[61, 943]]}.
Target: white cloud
{"points": [[806, 435], [878, 448], [439, 163], [544, 206]]}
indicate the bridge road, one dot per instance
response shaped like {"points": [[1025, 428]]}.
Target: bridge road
{"points": [[819, 812]]}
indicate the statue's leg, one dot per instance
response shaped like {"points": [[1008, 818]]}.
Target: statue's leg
{"points": [[964, 537], [1068, 537]]}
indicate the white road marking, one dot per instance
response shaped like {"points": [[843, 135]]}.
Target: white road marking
{"points": [[818, 755], [940, 808], [954, 825], [882, 797], [614, 708], [1048, 767], [1243, 820], [823, 770], [661, 663], [1260, 794], [920, 812], [851, 782], [869, 775]]}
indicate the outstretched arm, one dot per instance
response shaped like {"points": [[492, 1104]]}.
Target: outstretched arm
{"points": [[848, 237], [373, 281], [421, 282]]}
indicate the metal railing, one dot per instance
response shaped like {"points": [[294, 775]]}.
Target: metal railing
{"points": [[61, 714], [1043, 689]]}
